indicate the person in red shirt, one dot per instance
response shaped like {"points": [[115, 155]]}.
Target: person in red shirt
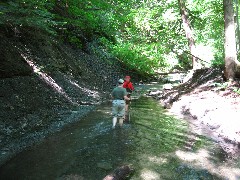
{"points": [[129, 87]]}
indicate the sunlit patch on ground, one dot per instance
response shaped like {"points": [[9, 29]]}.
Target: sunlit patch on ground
{"points": [[46, 78], [202, 159], [220, 114], [147, 174], [55, 85], [92, 93], [158, 160], [201, 155]]}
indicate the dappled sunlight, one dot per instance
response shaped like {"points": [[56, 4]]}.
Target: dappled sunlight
{"points": [[147, 174], [92, 93], [106, 112], [170, 15], [78, 49], [201, 155], [230, 173], [158, 160], [153, 143], [46, 78], [202, 159], [171, 58], [213, 110], [205, 53], [206, 84]]}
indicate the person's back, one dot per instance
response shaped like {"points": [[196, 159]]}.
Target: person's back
{"points": [[118, 93]]}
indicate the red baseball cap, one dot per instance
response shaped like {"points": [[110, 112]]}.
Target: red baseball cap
{"points": [[127, 77]]}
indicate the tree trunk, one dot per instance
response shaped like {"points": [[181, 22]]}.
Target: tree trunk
{"points": [[67, 4], [61, 8], [230, 41], [188, 31], [238, 28]]}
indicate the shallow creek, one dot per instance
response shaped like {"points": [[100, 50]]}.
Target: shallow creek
{"points": [[155, 144]]}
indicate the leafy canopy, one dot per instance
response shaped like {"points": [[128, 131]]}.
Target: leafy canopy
{"points": [[146, 35]]}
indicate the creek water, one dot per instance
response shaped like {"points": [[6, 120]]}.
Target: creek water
{"points": [[155, 144]]}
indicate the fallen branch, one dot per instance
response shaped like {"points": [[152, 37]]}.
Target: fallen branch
{"points": [[196, 57], [176, 72]]}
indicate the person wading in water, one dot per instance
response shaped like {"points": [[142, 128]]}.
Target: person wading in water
{"points": [[119, 95], [129, 87]]}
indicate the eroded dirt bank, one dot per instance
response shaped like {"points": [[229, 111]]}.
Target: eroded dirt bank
{"points": [[206, 100], [47, 83]]}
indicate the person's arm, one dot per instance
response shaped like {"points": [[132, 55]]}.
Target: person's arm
{"points": [[112, 95], [131, 86], [125, 95], [125, 85], [126, 98]]}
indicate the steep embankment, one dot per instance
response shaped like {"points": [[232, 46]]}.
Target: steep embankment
{"points": [[45, 84]]}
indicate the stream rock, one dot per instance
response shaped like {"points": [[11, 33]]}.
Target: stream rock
{"points": [[155, 93], [167, 86]]}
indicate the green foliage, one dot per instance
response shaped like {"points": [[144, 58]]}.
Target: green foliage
{"points": [[236, 90], [222, 86], [75, 40], [145, 35], [218, 61], [28, 13]]}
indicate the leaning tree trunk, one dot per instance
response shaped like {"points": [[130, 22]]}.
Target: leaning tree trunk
{"points": [[189, 33], [230, 41]]}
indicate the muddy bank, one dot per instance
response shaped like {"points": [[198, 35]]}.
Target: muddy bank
{"points": [[206, 100]]}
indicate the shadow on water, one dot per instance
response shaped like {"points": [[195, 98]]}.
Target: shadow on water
{"points": [[157, 145]]}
